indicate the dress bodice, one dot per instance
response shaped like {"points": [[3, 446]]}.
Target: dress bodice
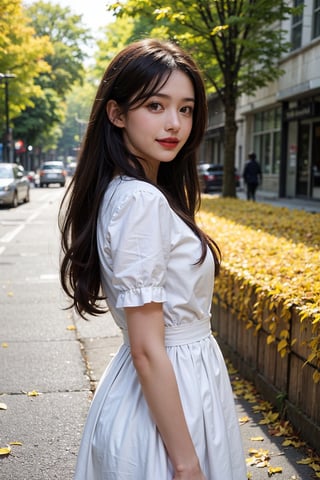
{"points": [[148, 254]]}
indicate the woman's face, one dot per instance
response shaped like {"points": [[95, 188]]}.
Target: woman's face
{"points": [[157, 130]]}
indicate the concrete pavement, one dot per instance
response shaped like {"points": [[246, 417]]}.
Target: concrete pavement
{"points": [[311, 206], [58, 357], [39, 354]]}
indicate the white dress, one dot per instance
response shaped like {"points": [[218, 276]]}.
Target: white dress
{"points": [[148, 254]]}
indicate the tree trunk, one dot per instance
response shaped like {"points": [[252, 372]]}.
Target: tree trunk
{"points": [[230, 132]]}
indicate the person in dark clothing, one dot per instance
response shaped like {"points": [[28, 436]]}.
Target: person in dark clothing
{"points": [[252, 176]]}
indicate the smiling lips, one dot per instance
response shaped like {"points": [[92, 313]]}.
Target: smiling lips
{"points": [[170, 142]]}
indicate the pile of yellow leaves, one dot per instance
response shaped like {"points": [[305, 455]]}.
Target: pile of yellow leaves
{"points": [[277, 427], [271, 255]]}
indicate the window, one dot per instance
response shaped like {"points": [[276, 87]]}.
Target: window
{"points": [[316, 19], [266, 140], [296, 28]]}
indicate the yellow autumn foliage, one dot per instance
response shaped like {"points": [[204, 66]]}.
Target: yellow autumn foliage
{"points": [[270, 266]]}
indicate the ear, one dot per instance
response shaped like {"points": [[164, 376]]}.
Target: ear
{"points": [[114, 113]]}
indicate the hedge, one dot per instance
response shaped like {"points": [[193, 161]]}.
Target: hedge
{"points": [[271, 254]]}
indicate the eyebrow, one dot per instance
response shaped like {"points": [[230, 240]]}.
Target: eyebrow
{"points": [[163, 95]]}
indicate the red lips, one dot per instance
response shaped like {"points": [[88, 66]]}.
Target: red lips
{"points": [[170, 142]]}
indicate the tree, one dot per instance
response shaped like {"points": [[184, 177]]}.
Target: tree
{"points": [[237, 44], [79, 102], [68, 36], [38, 123], [80, 99], [22, 55], [116, 35]]}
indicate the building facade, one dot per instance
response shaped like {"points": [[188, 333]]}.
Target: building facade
{"points": [[281, 122]]}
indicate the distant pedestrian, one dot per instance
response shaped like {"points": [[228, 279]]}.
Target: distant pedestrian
{"points": [[164, 408], [252, 176]]}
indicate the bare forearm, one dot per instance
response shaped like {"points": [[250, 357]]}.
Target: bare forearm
{"points": [[159, 385], [161, 392]]}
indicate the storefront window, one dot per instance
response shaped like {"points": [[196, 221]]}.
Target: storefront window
{"points": [[258, 122], [266, 140], [316, 19], [276, 153], [277, 118]]}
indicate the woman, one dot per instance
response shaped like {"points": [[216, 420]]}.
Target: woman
{"points": [[164, 408]]}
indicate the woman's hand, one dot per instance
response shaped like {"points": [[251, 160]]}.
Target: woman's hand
{"points": [[191, 475]]}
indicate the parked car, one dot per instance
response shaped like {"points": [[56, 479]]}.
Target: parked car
{"points": [[52, 172], [211, 177], [14, 185]]}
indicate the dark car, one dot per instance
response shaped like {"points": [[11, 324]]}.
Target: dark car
{"points": [[211, 177], [52, 172], [14, 185]]}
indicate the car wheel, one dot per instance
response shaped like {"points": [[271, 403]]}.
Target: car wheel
{"points": [[14, 203]]}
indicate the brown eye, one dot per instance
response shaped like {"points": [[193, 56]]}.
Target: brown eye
{"points": [[187, 110], [154, 106]]}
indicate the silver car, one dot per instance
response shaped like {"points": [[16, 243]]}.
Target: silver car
{"points": [[14, 185], [52, 172]]}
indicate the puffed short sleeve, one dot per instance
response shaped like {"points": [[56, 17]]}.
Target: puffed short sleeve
{"points": [[139, 239]]}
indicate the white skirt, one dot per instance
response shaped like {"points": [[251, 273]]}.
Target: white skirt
{"points": [[121, 441]]}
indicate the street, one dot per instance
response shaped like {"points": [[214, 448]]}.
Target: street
{"points": [[51, 360], [39, 353]]}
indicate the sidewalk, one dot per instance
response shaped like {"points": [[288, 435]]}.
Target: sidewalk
{"points": [[100, 340], [312, 206], [51, 361]]}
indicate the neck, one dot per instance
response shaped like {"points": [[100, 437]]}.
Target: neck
{"points": [[151, 171]]}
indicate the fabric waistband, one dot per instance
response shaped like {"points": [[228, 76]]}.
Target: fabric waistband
{"points": [[175, 335]]}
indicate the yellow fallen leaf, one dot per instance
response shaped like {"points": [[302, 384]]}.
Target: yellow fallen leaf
{"points": [[272, 470], [262, 407], [5, 450], [259, 458], [269, 417], [231, 369], [305, 461], [243, 420], [71, 327], [281, 429], [4, 345], [250, 397], [293, 443], [10, 294], [315, 467], [33, 393], [257, 439], [3, 406], [15, 443]]}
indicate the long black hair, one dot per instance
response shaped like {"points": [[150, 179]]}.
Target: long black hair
{"points": [[134, 75]]}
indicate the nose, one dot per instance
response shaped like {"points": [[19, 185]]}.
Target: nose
{"points": [[172, 120]]}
